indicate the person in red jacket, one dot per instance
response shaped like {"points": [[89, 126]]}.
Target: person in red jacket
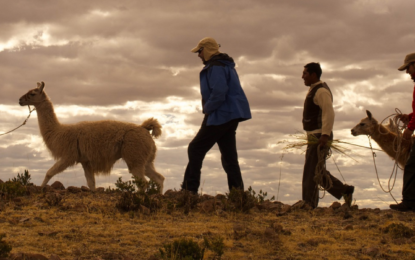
{"points": [[408, 190]]}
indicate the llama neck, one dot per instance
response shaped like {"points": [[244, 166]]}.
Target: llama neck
{"points": [[48, 122], [384, 138]]}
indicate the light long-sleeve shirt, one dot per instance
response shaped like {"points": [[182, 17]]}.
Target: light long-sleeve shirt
{"points": [[323, 99]]}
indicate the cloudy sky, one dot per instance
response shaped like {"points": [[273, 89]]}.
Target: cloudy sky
{"points": [[131, 60]]}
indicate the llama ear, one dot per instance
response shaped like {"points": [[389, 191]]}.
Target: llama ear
{"points": [[369, 114], [41, 86]]}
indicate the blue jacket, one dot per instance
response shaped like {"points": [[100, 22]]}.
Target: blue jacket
{"points": [[223, 98]]}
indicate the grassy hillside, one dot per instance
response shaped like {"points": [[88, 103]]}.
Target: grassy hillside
{"points": [[76, 223]]}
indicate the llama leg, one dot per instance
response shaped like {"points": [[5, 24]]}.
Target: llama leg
{"points": [[154, 175], [89, 175], [58, 167], [138, 173]]}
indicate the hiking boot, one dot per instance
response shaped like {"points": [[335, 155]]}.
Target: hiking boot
{"points": [[403, 206], [348, 195]]}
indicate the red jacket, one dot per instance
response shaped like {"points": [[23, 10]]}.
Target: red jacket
{"points": [[411, 124]]}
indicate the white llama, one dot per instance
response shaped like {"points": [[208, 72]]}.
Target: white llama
{"points": [[384, 136], [96, 145]]}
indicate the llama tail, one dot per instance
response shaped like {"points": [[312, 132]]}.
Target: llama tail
{"points": [[154, 125]]}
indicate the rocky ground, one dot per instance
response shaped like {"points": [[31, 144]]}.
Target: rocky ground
{"points": [[75, 223]]}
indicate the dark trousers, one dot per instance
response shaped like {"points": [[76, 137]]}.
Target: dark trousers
{"points": [[310, 187], [408, 191], [225, 136]]}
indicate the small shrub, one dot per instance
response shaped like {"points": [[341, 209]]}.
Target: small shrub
{"points": [[215, 244], [23, 179], [261, 196], [5, 248], [126, 186], [137, 193], [398, 230], [188, 200], [239, 201], [10, 190], [182, 249]]}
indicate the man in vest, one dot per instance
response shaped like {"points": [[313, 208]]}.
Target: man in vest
{"points": [[224, 105], [318, 120], [408, 190]]}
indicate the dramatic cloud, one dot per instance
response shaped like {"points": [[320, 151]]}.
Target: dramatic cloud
{"points": [[131, 60]]}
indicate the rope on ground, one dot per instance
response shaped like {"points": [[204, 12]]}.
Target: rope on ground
{"points": [[24, 122]]}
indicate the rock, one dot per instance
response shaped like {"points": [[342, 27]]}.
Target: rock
{"points": [[298, 205], [335, 205], [73, 189], [172, 194], [371, 251], [27, 256], [285, 209], [100, 189], [144, 210], [269, 206], [376, 210], [57, 185], [85, 189]]}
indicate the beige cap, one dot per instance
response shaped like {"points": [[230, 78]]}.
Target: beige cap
{"points": [[408, 59], [210, 47]]}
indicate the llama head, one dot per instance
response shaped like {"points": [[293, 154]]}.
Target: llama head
{"points": [[34, 96], [367, 125]]}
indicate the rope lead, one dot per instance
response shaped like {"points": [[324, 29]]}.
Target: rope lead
{"points": [[24, 122]]}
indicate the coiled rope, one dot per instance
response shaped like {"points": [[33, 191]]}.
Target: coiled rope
{"points": [[24, 122]]}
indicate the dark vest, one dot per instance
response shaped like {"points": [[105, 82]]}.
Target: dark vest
{"points": [[312, 113]]}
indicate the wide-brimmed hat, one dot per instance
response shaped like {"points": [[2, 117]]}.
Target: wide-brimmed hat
{"points": [[408, 60], [210, 47]]}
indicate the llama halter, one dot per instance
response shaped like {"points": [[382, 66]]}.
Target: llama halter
{"points": [[24, 122]]}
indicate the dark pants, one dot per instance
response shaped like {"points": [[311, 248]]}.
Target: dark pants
{"points": [[310, 187], [225, 136], [408, 191]]}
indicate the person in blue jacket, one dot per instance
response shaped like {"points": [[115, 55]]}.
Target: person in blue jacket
{"points": [[224, 106]]}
